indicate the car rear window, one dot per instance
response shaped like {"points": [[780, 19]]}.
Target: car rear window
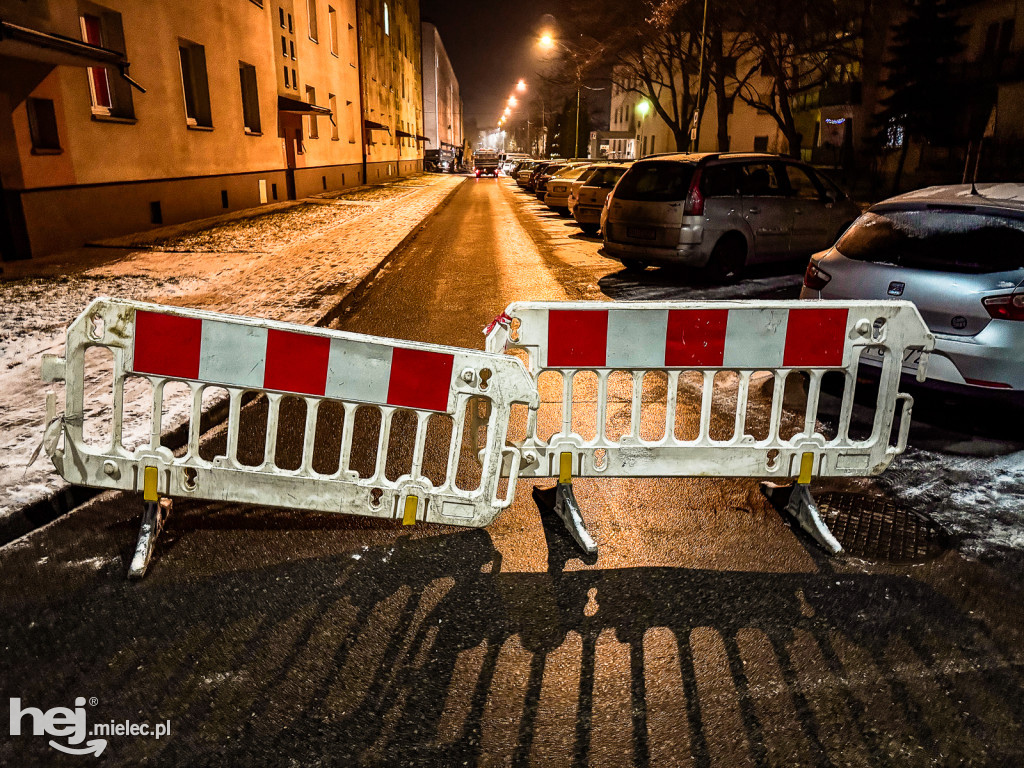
{"points": [[946, 240], [655, 182], [605, 177]]}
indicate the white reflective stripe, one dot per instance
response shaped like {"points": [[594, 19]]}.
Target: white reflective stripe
{"points": [[636, 339], [535, 334], [232, 353], [358, 371], [755, 338]]}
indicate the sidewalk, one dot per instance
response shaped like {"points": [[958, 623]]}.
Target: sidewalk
{"points": [[294, 262]]}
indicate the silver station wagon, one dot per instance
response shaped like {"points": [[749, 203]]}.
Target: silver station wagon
{"points": [[722, 212], [957, 252]]}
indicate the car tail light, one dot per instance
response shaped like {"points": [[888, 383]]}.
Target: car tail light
{"points": [[478, 173], [815, 277], [990, 384], [694, 205], [1008, 306]]}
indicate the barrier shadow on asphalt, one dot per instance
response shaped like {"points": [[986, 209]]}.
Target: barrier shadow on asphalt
{"points": [[424, 652]]}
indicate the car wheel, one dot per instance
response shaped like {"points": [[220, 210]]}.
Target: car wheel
{"points": [[728, 259], [634, 265], [590, 229]]}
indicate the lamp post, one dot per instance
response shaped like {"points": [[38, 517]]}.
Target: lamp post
{"points": [[642, 108], [547, 42]]}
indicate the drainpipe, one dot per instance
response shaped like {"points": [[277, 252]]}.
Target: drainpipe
{"points": [[359, 70]]}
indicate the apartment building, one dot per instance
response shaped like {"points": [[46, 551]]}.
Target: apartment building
{"points": [[640, 131], [442, 104], [122, 116], [389, 48]]}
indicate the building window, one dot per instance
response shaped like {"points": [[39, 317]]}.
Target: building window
{"points": [[280, 13], [387, 21], [42, 126], [291, 46], [284, 46], [760, 143], [250, 97], [289, 22], [332, 23], [110, 95], [332, 101], [311, 13], [311, 99], [286, 82], [195, 85], [295, 80]]}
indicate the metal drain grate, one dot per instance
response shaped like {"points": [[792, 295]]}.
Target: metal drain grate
{"points": [[877, 529]]}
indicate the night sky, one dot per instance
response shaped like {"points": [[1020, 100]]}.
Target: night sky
{"points": [[491, 44]]}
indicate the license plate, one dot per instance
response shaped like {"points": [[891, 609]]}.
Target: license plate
{"points": [[911, 357], [642, 233]]}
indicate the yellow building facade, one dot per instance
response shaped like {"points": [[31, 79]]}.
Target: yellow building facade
{"points": [[245, 102]]}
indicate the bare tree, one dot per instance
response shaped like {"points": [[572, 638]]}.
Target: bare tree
{"points": [[796, 47]]}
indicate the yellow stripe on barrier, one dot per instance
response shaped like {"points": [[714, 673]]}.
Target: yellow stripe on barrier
{"points": [[565, 467], [806, 468], [149, 478], [409, 518]]}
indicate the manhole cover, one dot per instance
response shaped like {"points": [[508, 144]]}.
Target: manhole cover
{"points": [[877, 529]]}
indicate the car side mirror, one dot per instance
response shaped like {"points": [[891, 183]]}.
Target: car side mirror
{"points": [[831, 196]]}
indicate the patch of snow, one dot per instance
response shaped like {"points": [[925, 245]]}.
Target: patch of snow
{"points": [[37, 313], [978, 499]]}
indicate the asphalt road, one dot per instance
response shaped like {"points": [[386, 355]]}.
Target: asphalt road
{"points": [[706, 632]]}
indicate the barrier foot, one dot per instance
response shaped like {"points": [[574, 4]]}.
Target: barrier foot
{"points": [[153, 520], [797, 501], [568, 510]]}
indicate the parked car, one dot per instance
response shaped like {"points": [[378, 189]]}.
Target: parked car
{"points": [[957, 252], [722, 211], [544, 169], [559, 187], [541, 188], [587, 200], [522, 176]]}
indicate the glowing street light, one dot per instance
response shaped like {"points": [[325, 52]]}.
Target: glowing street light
{"points": [[546, 40], [643, 107], [512, 101], [521, 86]]}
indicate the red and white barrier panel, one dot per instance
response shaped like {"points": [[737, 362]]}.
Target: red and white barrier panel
{"points": [[239, 355], [772, 337], [630, 339]]}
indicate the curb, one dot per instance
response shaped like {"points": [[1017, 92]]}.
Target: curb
{"points": [[44, 511]]}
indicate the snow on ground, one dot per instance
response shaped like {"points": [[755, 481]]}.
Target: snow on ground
{"points": [[256, 234], [36, 314], [978, 499]]}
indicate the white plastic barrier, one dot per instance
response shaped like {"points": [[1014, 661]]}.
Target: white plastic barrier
{"points": [[315, 366], [764, 344]]}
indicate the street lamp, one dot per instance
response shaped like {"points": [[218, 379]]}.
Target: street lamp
{"points": [[642, 108], [512, 101], [547, 42], [521, 85]]}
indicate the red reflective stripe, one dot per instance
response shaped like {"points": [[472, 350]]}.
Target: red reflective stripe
{"points": [[577, 338], [420, 379], [815, 338], [167, 345], [296, 362], [696, 337]]}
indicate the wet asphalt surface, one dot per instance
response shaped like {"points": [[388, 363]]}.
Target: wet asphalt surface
{"points": [[706, 632]]}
